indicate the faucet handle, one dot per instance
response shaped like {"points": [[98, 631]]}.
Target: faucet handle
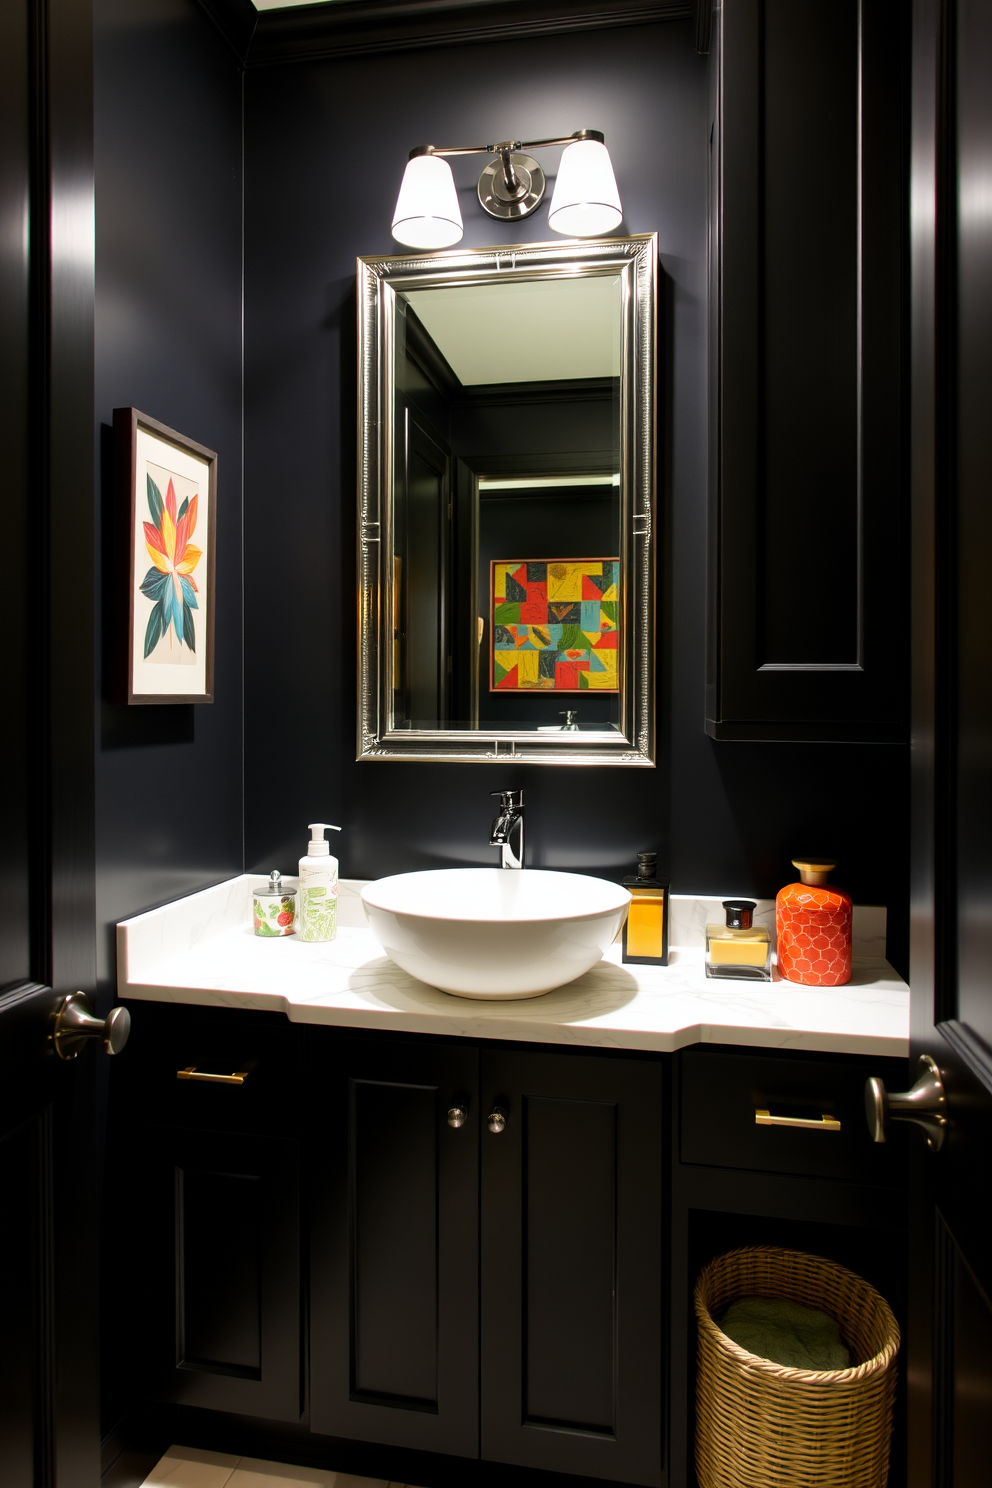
{"points": [[510, 800]]}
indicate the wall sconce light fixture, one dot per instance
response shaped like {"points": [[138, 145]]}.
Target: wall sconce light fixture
{"points": [[585, 202]]}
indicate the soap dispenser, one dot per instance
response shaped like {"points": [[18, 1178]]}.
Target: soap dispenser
{"points": [[645, 931], [318, 914], [813, 923]]}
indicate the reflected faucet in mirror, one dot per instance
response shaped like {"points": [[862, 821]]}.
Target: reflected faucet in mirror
{"points": [[507, 826]]}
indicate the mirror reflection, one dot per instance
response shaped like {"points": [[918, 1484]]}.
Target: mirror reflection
{"points": [[506, 604]]}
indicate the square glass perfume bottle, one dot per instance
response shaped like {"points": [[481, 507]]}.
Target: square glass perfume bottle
{"points": [[739, 950], [645, 931]]}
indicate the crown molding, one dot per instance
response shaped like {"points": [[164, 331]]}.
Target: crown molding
{"points": [[308, 33], [235, 20]]}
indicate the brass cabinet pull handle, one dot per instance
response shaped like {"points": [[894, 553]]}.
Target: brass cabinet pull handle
{"points": [[764, 1117], [192, 1073]]}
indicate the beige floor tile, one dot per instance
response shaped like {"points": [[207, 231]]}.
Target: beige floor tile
{"points": [[253, 1473], [189, 1467]]}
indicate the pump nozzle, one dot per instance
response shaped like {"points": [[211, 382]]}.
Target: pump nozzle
{"points": [[318, 847]]}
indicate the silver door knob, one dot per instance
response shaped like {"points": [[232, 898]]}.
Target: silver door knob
{"points": [[457, 1116], [925, 1105], [497, 1120], [75, 1023]]}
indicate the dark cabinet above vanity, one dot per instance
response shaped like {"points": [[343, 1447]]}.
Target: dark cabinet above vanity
{"points": [[808, 612]]}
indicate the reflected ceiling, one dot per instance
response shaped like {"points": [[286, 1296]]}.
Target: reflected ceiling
{"points": [[541, 332]]}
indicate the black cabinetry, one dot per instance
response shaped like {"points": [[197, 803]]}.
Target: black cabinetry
{"points": [[572, 1255], [377, 1247], [527, 1236], [808, 621], [825, 1188], [227, 1331], [394, 1242], [211, 1195]]}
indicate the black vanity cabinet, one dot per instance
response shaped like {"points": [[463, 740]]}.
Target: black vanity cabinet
{"points": [[394, 1242], [486, 1253], [370, 1244], [744, 1173], [214, 1184]]}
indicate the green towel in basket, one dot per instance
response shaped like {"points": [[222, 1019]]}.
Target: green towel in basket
{"points": [[786, 1333]]}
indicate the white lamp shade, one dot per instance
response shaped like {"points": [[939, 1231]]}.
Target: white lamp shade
{"points": [[586, 201], [427, 213]]}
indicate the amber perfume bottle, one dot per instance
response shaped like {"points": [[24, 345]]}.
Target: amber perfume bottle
{"points": [[739, 950], [645, 934], [813, 925]]}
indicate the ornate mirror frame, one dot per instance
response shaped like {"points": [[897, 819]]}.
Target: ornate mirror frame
{"points": [[635, 261]]}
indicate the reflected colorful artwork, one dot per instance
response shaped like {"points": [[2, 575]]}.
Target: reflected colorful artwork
{"points": [[555, 625]]}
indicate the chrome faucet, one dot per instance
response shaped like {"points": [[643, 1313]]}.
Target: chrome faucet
{"points": [[508, 824]]}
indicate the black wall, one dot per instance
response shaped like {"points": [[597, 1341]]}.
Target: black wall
{"points": [[325, 149], [168, 341]]}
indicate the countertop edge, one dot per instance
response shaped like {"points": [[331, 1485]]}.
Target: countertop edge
{"points": [[578, 1035]]}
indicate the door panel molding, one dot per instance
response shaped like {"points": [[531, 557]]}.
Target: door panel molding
{"points": [[380, 1143], [574, 1127], [805, 433]]}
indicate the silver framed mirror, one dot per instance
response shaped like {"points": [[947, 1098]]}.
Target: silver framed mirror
{"points": [[506, 488]]}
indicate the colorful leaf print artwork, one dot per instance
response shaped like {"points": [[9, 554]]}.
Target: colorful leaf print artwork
{"points": [[169, 583]]}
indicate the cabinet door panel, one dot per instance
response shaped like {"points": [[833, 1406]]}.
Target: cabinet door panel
{"points": [[394, 1250], [807, 194], [219, 1321], [394, 1193], [571, 1265], [228, 1335], [569, 1189]]}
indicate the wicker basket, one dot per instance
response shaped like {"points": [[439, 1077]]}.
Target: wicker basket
{"points": [[760, 1425]]}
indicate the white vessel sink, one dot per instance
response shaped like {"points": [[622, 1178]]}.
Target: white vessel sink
{"points": [[495, 932]]}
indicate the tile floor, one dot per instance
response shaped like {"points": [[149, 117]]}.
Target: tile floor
{"points": [[189, 1467]]}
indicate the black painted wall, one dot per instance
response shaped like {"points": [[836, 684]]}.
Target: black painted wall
{"points": [[168, 341], [325, 148]]}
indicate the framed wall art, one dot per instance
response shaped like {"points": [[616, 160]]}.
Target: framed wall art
{"points": [[555, 625], [165, 562]]}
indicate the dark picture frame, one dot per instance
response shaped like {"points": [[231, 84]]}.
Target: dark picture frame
{"points": [[164, 581]]}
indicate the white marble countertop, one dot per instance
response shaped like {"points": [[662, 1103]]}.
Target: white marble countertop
{"points": [[201, 950]]}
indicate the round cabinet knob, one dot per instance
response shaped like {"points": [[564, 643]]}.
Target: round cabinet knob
{"points": [[75, 1023], [925, 1105], [497, 1121], [457, 1116]]}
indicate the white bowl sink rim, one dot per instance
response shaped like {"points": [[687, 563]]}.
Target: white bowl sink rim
{"points": [[496, 895]]}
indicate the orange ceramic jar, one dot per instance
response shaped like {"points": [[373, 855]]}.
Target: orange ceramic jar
{"points": [[813, 924]]}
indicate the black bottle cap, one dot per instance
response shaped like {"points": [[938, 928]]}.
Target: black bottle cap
{"points": [[739, 912], [646, 876]]}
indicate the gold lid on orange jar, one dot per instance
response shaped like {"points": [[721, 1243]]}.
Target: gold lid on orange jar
{"points": [[814, 870]]}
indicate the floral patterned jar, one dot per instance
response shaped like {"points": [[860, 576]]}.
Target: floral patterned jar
{"points": [[274, 907], [813, 923]]}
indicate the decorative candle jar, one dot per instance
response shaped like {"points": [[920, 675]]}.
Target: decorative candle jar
{"points": [[813, 924], [274, 908]]}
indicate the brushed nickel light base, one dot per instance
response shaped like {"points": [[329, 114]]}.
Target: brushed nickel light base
{"points": [[511, 203]]}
